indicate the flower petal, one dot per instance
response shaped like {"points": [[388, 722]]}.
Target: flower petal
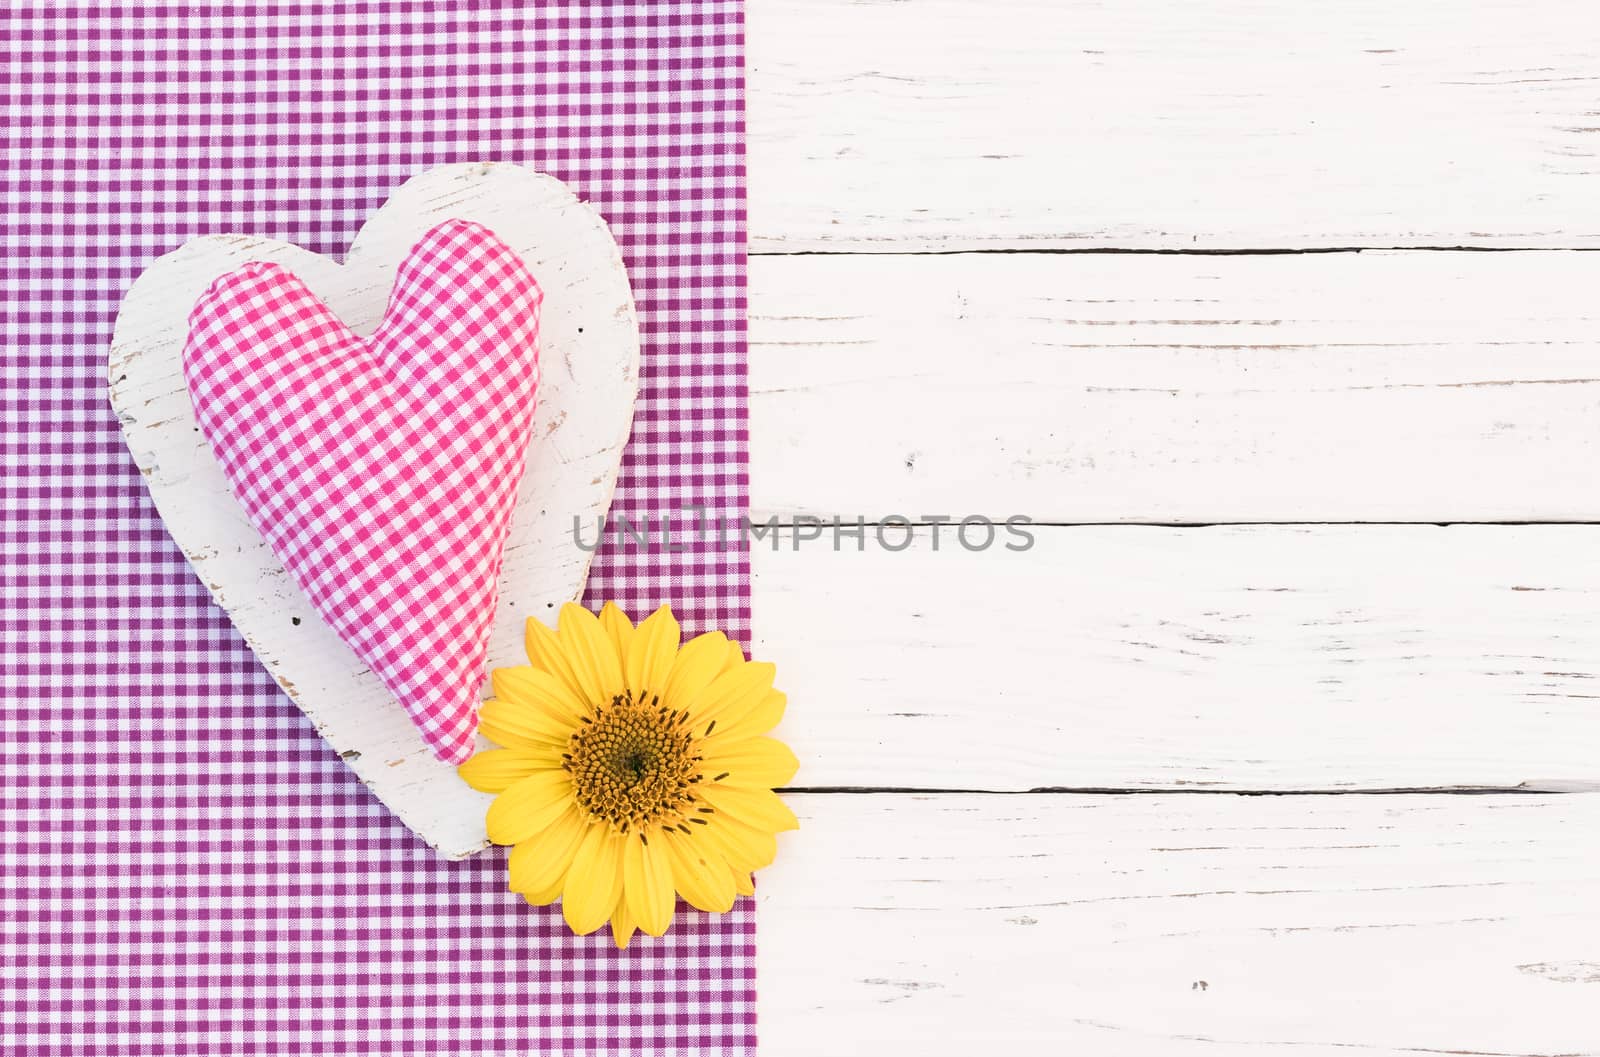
{"points": [[743, 883], [700, 873], [735, 726], [519, 725], [618, 628], [744, 847], [496, 770], [591, 652], [551, 890], [546, 652], [594, 880], [730, 695], [761, 809], [699, 662], [762, 763], [538, 689], [652, 651], [538, 866], [735, 656], [528, 806], [622, 926], [647, 883]]}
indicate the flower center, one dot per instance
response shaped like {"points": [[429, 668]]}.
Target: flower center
{"points": [[633, 763]]}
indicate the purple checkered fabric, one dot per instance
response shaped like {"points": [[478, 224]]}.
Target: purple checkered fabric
{"points": [[186, 867]]}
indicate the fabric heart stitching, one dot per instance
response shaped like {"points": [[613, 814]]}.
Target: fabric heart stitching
{"points": [[383, 471]]}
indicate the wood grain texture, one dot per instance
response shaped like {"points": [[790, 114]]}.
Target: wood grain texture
{"points": [[944, 124], [589, 371], [1131, 926], [1252, 657], [898, 374], [1408, 386]]}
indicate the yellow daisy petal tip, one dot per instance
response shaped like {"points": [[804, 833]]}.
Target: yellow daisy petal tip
{"points": [[622, 926], [496, 770], [579, 928], [469, 774], [537, 637]]}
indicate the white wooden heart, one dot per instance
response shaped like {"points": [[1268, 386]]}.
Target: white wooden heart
{"points": [[589, 377]]}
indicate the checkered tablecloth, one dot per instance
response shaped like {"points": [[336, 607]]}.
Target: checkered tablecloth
{"points": [[185, 867]]}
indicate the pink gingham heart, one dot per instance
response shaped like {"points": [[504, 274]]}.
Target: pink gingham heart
{"points": [[382, 471]]}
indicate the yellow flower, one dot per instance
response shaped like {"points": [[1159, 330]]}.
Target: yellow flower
{"points": [[633, 770]]}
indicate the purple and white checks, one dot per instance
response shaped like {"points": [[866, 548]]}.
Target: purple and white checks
{"points": [[185, 867]]}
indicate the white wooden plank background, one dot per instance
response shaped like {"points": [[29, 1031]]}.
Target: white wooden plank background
{"points": [[1246, 657], [896, 371], [1092, 388], [1132, 926], [942, 124]]}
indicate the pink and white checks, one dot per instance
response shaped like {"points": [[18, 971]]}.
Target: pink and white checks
{"points": [[382, 472]]}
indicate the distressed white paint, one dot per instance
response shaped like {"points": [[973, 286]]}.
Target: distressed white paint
{"points": [[1408, 386], [1241, 657], [1074, 123], [589, 361], [1178, 925], [1415, 387]]}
